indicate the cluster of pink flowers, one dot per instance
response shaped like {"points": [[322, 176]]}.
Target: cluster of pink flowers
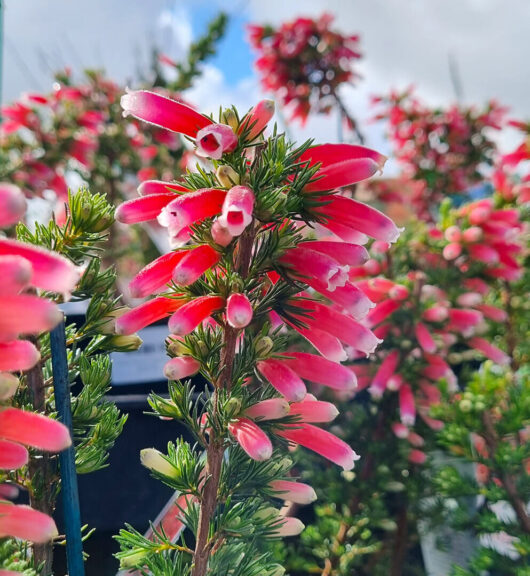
{"points": [[24, 269], [303, 62], [443, 148]]}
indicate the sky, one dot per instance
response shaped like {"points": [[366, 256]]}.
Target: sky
{"points": [[403, 42]]}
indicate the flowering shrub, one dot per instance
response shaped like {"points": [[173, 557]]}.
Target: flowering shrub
{"points": [[445, 149], [304, 62], [248, 279]]}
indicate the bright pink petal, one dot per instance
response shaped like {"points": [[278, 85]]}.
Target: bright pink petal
{"points": [[182, 367], [238, 311], [144, 208], [12, 204], [309, 264], [12, 455], [215, 140], [283, 379], [385, 371], [237, 210], [271, 409], [257, 119], [194, 264], [16, 274], [26, 523], [407, 405], [251, 438], [189, 316], [344, 252], [164, 112], [155, 275], [27, 314], [321, 442], [352, 299], [425, 338], [295, 492], [327, 344], [18, 355], [330, 154], [490, 351], [148, 187], [146, 314], [34, 430], [314, 411], [343, 174]]}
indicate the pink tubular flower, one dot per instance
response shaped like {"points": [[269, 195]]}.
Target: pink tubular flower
{"points": [[50, 270], [16, 274], [350, 297], [192, 207], [26, 523], [220, 234], [191, 314], [360, 217], [155, 275], [271, 409], [295, 492], [417, 457], [490, 351], [436, 313], [492, 312], [382, 311], [194, 264], [424, 338], [257, 119], [238, 207], [321, 442], [8, 385], [182, 367], [383, 374], [148, 187], [309, 264], [146, 314], [238, 311], [215, 140], [289, 526], [12, 204], [314, 411], [33, 430], [345, 253], [400, 430], [164, 112], [18, 355], [327, 344], [452, 251], [12, 455], [251, 438], [407, 407], [463, 320], [321, 370], [26, 314], [144, 208], [283, 379]]}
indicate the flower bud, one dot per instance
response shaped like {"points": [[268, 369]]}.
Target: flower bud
{"points": [[154, 460], [227, 176], [263, 346]]}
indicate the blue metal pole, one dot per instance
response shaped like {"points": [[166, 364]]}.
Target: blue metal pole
{"points": [[69, 491]]}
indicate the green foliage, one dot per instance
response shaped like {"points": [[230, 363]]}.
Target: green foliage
{"points": [[14, 556]]}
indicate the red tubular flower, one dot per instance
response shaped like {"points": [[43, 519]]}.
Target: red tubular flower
{"points": [[257, 119], [314, 411], [191, 314], [321, 370], [148, 187], [18, 355], [144, 208], [26, 314], [146, 314], [164, 112], [26, 523], [425, 340], [321, 442], [352, 299], [281, 377], [345, 253], [215, 140], [238, 207], [12, 455], [238, 311], [155, 275], [407, 406], [194, 264], [327, 344], [384, 373], [251, 438], [490, 351]]}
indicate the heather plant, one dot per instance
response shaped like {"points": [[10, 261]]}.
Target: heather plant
{"points": [[43, 268], [250, 277]]}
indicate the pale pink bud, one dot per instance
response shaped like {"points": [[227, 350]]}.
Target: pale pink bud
{"points": [[479, 214], [289, 526], [9, 492], [12, 455], [155, 275], [238, 311], [452, 251], [146, 314], [12, 204], [320, 441], [271, 409], [26, 314], [220, 234], [18, 355], [182, 367], [436, 313], [469, 299], [51, 271], [215, 140], [16, 273], [321, 370], [407, 406], [309, 264], [283, 379], [194, 264], [26, 523], [155, 460], [237, 210], [417, 457], [257, 119], [472, 234], [33, 430], [490, 351], [425, 340], [400, 430], [453, 234], [385, 371], [492, 312], [8, 385], [399, 292], [189, 316], [251, 438], [314, 411], [372, 267], [295, 492]]}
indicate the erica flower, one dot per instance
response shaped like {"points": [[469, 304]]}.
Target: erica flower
{"points": [[295, 492], [251, 438], [191, 314], [26, 523], [12, 204], [238, 207], [281, 377], [214, 140], [238, 311]]}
